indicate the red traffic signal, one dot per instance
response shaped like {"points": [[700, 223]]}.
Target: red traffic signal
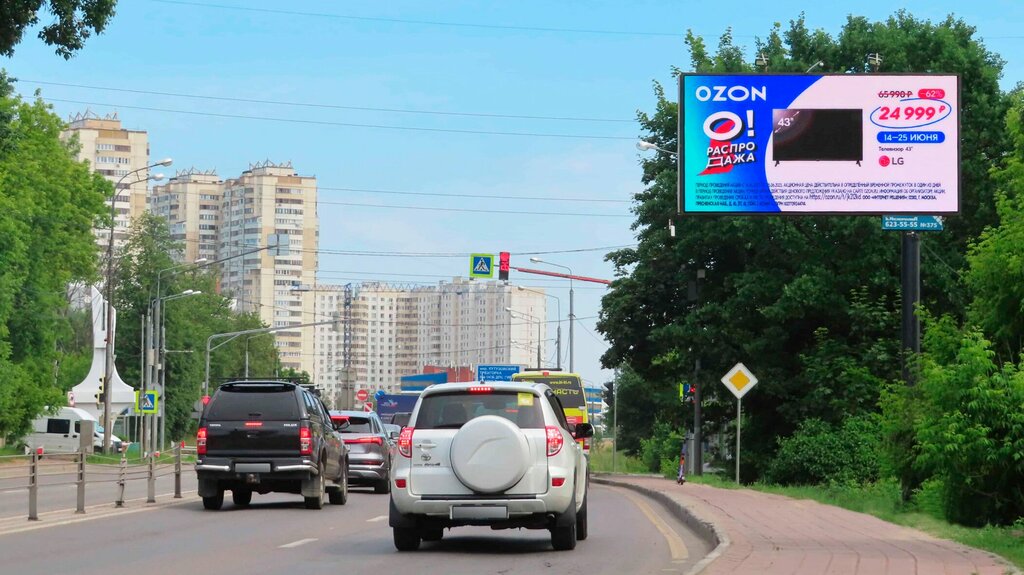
{"points": [[503, 265]]}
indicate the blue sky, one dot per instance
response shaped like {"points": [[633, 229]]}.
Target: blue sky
{"points": [[525, 58]]}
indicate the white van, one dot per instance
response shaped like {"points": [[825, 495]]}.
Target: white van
{"points": [[59, 433]]}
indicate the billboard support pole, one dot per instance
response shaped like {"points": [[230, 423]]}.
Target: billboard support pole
{"points": [[910, 283]]}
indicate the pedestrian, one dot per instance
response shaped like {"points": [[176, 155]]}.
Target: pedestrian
{"points": [[681, 478]]}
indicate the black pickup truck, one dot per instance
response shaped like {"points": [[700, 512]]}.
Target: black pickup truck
{"points": [[269, 436]]}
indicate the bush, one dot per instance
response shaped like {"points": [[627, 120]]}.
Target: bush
{"points": [[819, 453], [660, 453]]}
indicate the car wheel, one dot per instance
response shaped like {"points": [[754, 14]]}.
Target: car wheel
{"points": [[241, 497], [581, 520], [406, 539], [214, 502], [339, 495], [563, 532], [317, 501], [434, 534]]}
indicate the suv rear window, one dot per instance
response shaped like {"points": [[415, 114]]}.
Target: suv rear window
{"points": [[244, 403], [358, 425], [453, 410]]}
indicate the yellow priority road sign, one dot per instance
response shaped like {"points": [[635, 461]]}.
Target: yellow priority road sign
{"points": [[739, 380]]}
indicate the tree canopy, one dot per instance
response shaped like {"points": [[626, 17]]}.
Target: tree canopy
{"points": [[49, 204], [74, 21]]}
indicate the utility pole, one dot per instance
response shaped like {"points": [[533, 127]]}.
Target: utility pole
{"points": [[698, 439]]}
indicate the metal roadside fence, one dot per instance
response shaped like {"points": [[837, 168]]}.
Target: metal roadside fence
{"points": [[70, 468]]}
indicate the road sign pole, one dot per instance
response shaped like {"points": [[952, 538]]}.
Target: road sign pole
{"points": [[739, 413], [910, 277]]}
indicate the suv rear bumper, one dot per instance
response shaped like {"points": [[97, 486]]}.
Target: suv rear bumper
{"points": [[259, 474]]}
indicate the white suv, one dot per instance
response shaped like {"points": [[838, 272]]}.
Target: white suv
{"points": [[496, 454]]}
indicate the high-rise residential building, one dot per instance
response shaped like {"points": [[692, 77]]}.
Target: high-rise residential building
{"points": [[271, 204], [191, 203], [114, 151], [396, 331]]}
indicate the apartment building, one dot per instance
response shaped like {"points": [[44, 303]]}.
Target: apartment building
{"points": [[114, 152], [191, 203], [271, 204], [397, 330]]}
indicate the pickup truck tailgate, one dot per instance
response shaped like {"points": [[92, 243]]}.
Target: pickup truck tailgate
{"points": [[246, 424]]}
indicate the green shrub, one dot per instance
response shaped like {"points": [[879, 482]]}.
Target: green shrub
{"points": [[819, 453], [660, 452]]}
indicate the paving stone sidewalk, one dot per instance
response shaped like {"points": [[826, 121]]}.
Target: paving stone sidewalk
{"points": [[773, 534]]}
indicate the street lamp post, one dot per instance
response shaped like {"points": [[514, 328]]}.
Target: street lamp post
{"points": [[157, 338], [161, 382], [572, 315], [108, 370], [558, 331], [528, 316]]}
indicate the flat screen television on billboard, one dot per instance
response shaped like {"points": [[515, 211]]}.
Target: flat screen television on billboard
{"points": [[817, 135]]}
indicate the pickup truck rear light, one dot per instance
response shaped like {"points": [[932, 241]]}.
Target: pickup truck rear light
{"points": [[305, 441], [254, 424], [372, 439], [405, 442], [554, 440], [201, 441]]}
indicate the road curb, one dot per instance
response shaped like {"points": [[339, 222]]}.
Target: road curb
{"points": [[704, 527], [57, 518]]}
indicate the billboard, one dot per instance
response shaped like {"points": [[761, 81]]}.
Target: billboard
{"points": [[819, 144]]}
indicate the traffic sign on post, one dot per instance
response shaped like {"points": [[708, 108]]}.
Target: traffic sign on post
{"points": [[362, 395], [149, 402], [368, 406], [739, 380], [481, 266]]}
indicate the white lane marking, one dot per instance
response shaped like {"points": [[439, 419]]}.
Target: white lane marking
{"points": [[675, 543], [377, 518], [294, 544]]}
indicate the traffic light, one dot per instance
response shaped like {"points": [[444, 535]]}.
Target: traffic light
{"points": [[503, 266], [100, 395]]}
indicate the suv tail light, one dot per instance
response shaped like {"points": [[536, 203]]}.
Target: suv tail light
{"points": [[371, 439], [554, 440], [305, 441], [201, 441], [405, 442], [481, 389]]}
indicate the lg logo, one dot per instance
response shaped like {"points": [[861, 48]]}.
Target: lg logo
{"points": [[885, 161]]}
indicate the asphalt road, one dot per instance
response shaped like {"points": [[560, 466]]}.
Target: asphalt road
{"points": [[276, 534], [58, 491]]}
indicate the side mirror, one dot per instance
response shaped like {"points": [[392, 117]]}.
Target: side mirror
{"points": [[583, 431]]}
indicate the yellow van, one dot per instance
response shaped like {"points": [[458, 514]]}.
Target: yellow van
{"points": [[568, 387]]}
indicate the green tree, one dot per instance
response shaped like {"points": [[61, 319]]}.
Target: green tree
{"points": [[188, 322], [49, 204], [808, 303], [74, 21]]}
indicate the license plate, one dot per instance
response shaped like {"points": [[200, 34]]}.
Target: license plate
{"points": [[252, 468], [479, 512]]}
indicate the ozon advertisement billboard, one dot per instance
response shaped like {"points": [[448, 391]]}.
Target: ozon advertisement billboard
{"points": [[819, 144]]}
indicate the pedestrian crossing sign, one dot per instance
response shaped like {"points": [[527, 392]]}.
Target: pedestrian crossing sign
{"points": [[481, 266], [149, 402]]}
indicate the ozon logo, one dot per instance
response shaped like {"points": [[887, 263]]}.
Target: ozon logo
{"points": [[731, 93]]}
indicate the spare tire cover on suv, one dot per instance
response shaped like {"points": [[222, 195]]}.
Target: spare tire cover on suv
{"points": [[489, 454]]}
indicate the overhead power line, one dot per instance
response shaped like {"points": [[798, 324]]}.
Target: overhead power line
{"points": [[424, 22], [325, 106], [346, 124], [374, 253]]}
